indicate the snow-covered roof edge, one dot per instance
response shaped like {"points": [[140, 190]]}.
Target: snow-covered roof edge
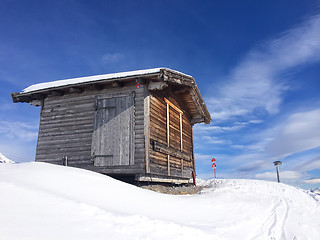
{"points": [[73, 81], [37, 92]]}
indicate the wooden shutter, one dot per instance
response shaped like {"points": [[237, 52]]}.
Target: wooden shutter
{"points": [[112, 139], [174, 125]]}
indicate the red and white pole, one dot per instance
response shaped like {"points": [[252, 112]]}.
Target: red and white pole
{"points": [[213, 160]]}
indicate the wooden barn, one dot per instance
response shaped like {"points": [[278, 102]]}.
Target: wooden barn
{"points": [[136, 124]]}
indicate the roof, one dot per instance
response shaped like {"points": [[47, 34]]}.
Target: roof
{"points": [[192, 96], [76, 81]]}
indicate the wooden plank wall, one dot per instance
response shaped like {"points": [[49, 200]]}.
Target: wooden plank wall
{"points": [[112, 139], [158, 132], [66, 127]]}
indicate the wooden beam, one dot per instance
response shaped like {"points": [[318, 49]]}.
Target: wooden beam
{"points": [[181, 90], [168, 158], [39, 96], [168, 137], [177, 78], [157, 85], [158, 147], [146, 125], [17, 98], [168, 125], [146, 178], [75, 90], [117, 84], [57, 93], [196, 120], [173, 106], [96, 86], [181, 165], [181, 141]]}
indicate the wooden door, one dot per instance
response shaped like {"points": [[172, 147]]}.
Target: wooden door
{"points": [[112, 139]]}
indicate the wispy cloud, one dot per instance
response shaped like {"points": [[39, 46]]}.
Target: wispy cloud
{"points": [[18, 140], [256, 85], [292, 175], [294, 140], [299, 132], [112, 58], [307, 163], [312, 181], [18, 130], [218, 129], [7, 106]]}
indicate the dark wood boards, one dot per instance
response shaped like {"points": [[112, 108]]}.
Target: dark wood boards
{"points": [[111, 130], [67, 124], [156, 146], [112, 139], [176, 157]]}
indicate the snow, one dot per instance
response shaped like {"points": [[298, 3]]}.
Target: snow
{"points": [[44, 201], [4, 159], [73, 81]]}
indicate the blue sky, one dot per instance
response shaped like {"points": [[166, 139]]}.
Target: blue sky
{"points": [[257, 64]]}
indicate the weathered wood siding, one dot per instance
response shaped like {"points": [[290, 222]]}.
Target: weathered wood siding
{"points": [[159, 164], [112, 139], [66, 128]]}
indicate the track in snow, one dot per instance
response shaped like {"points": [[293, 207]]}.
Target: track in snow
{"points": [[42, 199]]}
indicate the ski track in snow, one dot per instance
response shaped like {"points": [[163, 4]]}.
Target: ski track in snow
{"points": [[276, 219], [45, 201]]}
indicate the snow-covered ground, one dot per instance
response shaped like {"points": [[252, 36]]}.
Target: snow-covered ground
{"points": [[4, 159], [43, 201]]}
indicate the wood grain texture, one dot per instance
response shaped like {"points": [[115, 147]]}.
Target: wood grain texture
{"points": [[112, 137], [170, 124], [67, 123]]}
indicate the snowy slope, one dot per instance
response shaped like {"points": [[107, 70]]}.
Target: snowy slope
{"points": [[4, 159], [43, 201]]}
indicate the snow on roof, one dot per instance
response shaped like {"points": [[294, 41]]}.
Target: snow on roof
{"points": [[73, 81]]}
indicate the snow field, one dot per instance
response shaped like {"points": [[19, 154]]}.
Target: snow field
{"points": [[44, 201]]}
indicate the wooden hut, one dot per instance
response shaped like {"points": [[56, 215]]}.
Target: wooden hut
{"points": [[135, 123]]}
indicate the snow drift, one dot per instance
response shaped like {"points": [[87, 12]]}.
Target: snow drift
{"points": [[4, 159], [43, 201]]}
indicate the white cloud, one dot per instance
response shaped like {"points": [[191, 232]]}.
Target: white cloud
{"points": [[18, 130], [202, 157], [255, 86], [7, 106], [305, 162], [112, 57], [18, 152], [291, 175], [312, 181], [215, 128], [211, 128], [254, 89], [299, 132]]}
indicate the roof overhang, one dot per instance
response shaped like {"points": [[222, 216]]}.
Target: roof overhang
{"points": [[185, 85]]}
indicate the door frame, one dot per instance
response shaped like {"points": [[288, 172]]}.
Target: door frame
{"points": [[131, 122]]}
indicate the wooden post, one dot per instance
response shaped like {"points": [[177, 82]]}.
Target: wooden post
{"points": [[181, 141], [168, 126], [168, 157], [168, 136], [170, 104], [147, 131], [65, 160], [194, 178]]}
